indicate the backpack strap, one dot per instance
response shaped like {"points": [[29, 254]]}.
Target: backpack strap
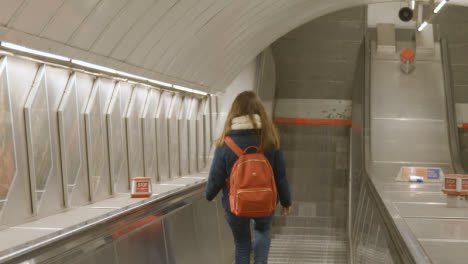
{"points": [[233, 146]]}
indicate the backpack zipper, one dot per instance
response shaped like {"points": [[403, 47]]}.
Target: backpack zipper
{"points": [[250, 191]]}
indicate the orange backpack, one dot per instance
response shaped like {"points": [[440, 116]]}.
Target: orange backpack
{"points": [[252, 188]]}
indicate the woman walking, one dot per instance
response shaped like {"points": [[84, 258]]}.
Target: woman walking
{"points": [[248, 125]]}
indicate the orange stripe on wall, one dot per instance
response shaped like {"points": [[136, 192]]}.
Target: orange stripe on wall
{"points": [[464, 126], [312, 121]]}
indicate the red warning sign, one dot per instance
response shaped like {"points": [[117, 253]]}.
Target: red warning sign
{"points": [[451, 184], [465, 185], [142, 187]]}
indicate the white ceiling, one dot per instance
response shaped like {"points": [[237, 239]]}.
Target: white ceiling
{"points": [[202, 44]]}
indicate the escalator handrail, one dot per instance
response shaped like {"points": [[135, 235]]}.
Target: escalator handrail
{"points": [[166, 203], [454, 141]]}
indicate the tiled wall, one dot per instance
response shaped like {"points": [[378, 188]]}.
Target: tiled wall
{"points": [[317, 60], [315, 67]]}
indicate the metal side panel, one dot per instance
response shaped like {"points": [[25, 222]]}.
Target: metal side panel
{"points": [[192, 136], [135, 132], [183, 135], [7, 137], [70, 139], [180, 236], [206, 233], [162, 135], [179, 227], [225, 233], [173, 129], [144, 245], [149, 135], [105, 254], [201, 138]]}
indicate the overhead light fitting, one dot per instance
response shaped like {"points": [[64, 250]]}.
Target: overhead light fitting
{"points": [[413, 4], [439, 7], [95, 66], [178, 87], [33, 51], [132, 76], [423, 25], [160, 83]]}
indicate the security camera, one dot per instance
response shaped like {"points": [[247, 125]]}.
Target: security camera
{"points": [[406, 14]]}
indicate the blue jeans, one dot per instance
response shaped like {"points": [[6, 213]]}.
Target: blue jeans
{"points": [[240, 227]]}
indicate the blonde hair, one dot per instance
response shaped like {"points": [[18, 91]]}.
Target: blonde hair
{"points": [[248, 103]]}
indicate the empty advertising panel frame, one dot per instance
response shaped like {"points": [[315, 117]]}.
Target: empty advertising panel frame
{"points": [[192, 135], [172, 125], [8, 159], [183, 133], [81, 193], [41, 171], [42, 139], [201, 136], [21, 75], [116, 139], [70, 139], [163, 136], [207, 127], [135, 132], [96, 139], [57, 80], [117, 133], [150, 140]]}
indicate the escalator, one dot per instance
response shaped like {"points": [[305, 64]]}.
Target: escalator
{"points": [[347, 208]]}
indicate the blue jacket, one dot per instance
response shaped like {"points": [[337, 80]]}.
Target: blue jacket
{"points": [[224, 159]]}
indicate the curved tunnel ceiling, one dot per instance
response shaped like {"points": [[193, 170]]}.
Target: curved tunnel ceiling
{"points": [[202, 44]]}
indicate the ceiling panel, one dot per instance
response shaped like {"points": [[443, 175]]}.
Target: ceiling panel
{"points": [[141, 29], [180, 28], [8, 10], [152, 38], [191, 37], [214, 31], [120, 25], [68, 18], [33, 16], [96, 23], [203, 44]]}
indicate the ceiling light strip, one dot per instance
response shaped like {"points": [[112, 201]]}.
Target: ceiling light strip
{"points": [[423, 25], [96, 67], [33, 51], [439, 7]]}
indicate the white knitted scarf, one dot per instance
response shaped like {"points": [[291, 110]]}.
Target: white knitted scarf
{"points": [[243, 122]]}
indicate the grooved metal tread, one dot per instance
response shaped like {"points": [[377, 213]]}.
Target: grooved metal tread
{"points": [[305, 238]]}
